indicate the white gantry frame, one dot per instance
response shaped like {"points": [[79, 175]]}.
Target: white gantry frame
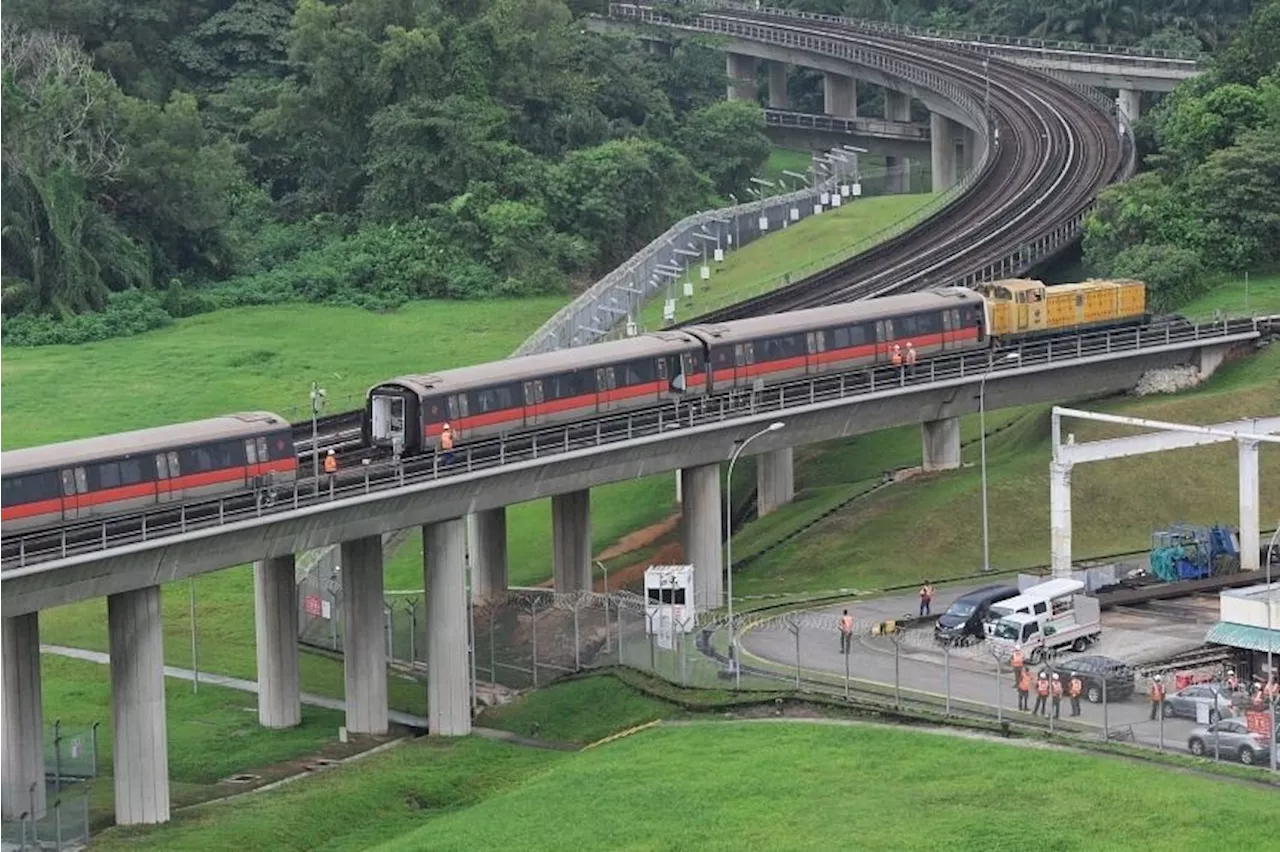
{"points": [[1248, 434]]}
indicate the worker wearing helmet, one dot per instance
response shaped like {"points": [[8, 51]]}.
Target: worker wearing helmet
{"points": [[1056, 690], [1074, 688], [1157, 695], [446, 444], [1042, 695]]}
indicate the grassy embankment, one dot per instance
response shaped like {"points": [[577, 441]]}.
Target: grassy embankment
{"points": [[738, 785], [931, 526]]}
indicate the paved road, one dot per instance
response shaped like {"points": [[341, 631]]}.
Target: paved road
{"points": [[923, 666]]}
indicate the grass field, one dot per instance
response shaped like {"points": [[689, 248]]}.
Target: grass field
{"points": [[577, 711], [1229, 296], [718, 785], [801, 249]]}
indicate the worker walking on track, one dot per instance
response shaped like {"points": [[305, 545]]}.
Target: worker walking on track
{"points": [[846, 632], [1157, 695], [446, 444], [1074, 689], [331, 467], [1024, 689], [1055, 689], [926, 598], [1042, 695]]}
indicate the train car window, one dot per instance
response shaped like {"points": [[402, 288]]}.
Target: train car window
{"points": [[281, 447], [1080, 300], [462, 405], [82, 481], [105, 475], [840, 337], [661, 365], [251, 451], [453, 408], [162, 466], [722, 357], [31, 488], [68, 484], [174, 469], [946, 320], [698, 359], [263, 455], [132, 472]]}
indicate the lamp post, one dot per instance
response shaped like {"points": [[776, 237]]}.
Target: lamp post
{"points": [[728, 543], [317, 402], [982, 440]]}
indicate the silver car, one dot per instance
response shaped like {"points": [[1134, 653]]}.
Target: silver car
{"points": [[1184, 702], [1230, 738]]}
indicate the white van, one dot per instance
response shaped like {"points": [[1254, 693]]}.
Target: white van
{"points": [[1040, 602]]}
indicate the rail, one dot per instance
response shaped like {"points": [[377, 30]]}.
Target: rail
{"points": [[28, 551]]}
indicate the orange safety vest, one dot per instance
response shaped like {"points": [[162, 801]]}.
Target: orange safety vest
{"points": [[1042, 687], [1057, 689], [330, 464], [1024, 682], [897, 357], [911, 355], [1076, 687], [846, 624], [1157, 692], [1016, 660], [446, 439]]}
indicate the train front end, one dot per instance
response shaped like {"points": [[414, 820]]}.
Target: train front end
{"points": [[391, 416]]}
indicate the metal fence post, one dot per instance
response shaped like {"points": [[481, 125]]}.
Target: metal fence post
{"points": [[1106, 726], [577, 643], [946, 672], [57, 825], [846, 669], [897, 670], [493, 651], [57, 755], [533, 619]]}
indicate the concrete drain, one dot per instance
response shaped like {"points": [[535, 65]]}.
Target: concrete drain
{"points": [[322, 763], [243, 779]]}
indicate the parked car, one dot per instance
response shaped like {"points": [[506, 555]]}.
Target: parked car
{"points": [[1092, 670], [1214, 696], [962, 622], [1230, 738]]}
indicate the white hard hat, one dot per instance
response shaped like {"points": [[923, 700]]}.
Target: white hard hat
{"points": [[1158, 677], [331, 452], [1017, 647], [1055, 675], [446, 426]]}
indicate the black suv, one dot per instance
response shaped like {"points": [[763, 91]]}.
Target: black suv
{"points": [[962, 622], [1092, 670]]}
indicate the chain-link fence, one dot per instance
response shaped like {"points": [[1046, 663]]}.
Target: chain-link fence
{"points": [[64, 826], [70, 763]]}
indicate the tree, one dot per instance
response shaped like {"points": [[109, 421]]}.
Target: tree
{"points": [[726, 142], [1238, 188]]}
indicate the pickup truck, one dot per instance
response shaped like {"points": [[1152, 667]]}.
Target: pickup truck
{"points": [[1076, 628]]}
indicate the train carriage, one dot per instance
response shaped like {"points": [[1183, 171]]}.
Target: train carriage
{"points": [[93, 477], [552, 387], [1020, 308]]}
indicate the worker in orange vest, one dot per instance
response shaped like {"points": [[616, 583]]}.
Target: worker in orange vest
{"points": [[846, 632], [330, 466], [446, 444], [911, 354], [1017, 662], [1233, 682], [897, 355], [1074, 688], [1056, 688], [1157, 695], [1042, 695], [926, 598], [1024, 689]]}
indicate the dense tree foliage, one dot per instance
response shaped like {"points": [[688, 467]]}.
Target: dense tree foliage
{"points": [[165, 157], [1211, 200]]}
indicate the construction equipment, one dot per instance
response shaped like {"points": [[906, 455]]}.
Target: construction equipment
{"points": [[1191, 552]]}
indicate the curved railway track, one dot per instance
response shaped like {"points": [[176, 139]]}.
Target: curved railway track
{"points": [[1053, 149]]}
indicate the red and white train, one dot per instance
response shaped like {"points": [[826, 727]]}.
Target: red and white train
{"points": [[92, 477], [572, 384]]}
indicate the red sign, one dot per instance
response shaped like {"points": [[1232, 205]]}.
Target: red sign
{"points": [[314, 606], [1258, 723]]}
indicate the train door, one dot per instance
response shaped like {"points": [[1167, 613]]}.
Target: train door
{"points": [[252, 471], [744, 356], [74, 486], [606, 384], [815, 345], [533, 402], [387, 414], [884, 339], [949, 326], [1023, 310], [458, 412], [163, 492], [693, 377]]}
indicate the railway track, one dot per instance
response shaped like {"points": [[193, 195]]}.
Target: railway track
{"points": [[1052, 151]]}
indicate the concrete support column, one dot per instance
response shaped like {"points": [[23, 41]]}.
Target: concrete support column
{"points": [[839, 95], [275, 618], [140, 747], [1130, 104], [897, 107], [741, 71], [942, 151], [702, 517], [571, 540], [1060, 519], [940, 444], [364, 637], [23, 775], [1250, 536], [778, 98], [488, 548], [448, 669], [775, 480]]}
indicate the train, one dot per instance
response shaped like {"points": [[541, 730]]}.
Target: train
{"points": [[95, 477], [408, 413]]}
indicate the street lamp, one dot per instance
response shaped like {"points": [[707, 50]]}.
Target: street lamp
{"points": [[728, 542], [982, 428], [317, 402]]}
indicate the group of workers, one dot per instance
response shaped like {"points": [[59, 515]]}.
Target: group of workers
{"points": [[1047, 685], [901, 356]]}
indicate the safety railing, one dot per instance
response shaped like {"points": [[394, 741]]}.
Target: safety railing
{"points": [[547, 443], [878, 127]]}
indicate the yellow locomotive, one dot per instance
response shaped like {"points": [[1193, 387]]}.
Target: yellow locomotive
{"points": [[1020, 307]]}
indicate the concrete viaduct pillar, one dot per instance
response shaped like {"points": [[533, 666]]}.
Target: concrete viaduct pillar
{"points": [[1250, 536], [942, 137], [741, 71], [775, 480], [839, 95], [23, 773], [1060, 519], [140, 745], [1130, 104], [364, 642], [702, 517], [571, 540], [275, 616], [778, 86], [940, 444], [897, 107], [448, 672], [487, 544]]}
